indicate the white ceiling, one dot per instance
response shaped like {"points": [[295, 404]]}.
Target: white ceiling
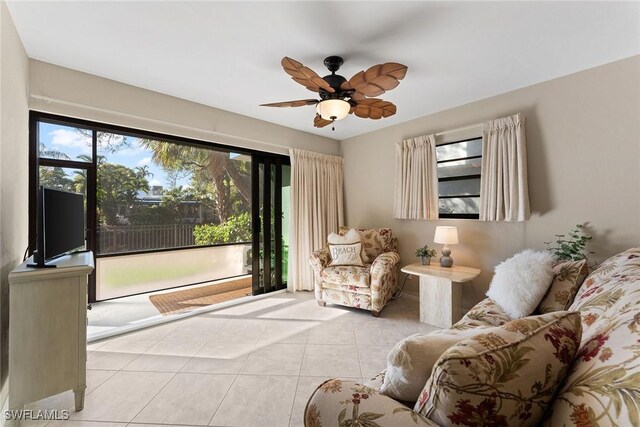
{"points": [[227, 54]]}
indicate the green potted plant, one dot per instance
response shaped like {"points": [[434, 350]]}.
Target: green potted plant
{"points": [[425, 254], [572, 249]]}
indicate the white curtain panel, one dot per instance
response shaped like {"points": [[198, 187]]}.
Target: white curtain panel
{"points": [[504, 192], [317, 210], [416, 192]]}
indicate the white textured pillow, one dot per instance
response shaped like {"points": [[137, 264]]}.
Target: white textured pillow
{"points": [[351, 236], [409, 363], [520, 282], [345, 250]]}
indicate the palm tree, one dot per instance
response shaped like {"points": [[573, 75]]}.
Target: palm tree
{"points": [[211, 166], [52, 153]]}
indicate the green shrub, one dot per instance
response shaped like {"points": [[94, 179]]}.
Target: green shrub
{"points": [[235, 229]]}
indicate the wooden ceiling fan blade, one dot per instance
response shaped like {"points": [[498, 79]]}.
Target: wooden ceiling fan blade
{"points": [[393, 69], [298, 103], [374, 108], [357, 96], [319, 122], [305, 75], [377, 79]]}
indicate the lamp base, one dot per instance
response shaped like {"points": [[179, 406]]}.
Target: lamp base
{"points": [[445, 259]]}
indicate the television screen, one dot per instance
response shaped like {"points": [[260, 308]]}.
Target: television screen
{"points": [[62, 222]]}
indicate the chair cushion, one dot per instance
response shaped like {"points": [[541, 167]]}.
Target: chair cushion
{"points": [[568, 277], [375, 241], [349, 299], [347, 275], [347, 288], [508, 374], [521, 282]]}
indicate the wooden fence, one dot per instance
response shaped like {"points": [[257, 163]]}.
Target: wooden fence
{"points": [[134, 238]]}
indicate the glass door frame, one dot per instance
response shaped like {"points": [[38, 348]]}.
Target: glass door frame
{"points": [[271, 177], [35, 161]]}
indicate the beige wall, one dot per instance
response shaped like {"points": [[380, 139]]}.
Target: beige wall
{"points": [[73, 93], [14, 156], [29, 84], [583, 140]]}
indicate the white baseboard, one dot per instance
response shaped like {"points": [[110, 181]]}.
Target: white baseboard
{"points": [[411, 296]]}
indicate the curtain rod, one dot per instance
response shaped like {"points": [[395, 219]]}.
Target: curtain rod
{"points": [[460, 129], [49, 100]]}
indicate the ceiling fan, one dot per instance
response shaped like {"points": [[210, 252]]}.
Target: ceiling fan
{"points": [[340, 97]]}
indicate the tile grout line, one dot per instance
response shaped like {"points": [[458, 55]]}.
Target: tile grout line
{"points": [[358, 356], [222, 400], [72, 407], [232, 383], [175, 374], [295, 394], [154, 396]]}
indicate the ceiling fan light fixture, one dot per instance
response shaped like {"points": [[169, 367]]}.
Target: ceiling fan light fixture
{"points": [[333, 109]]}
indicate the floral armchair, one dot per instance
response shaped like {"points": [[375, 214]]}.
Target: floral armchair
{"points": [[369, 287]]}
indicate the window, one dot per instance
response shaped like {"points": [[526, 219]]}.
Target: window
{"points": [[164, 211], [60, 142], [459, 165], [158, 194]]}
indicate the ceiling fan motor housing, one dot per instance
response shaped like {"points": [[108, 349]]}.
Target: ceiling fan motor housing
{"points": [[333, 63], [334, 80]]}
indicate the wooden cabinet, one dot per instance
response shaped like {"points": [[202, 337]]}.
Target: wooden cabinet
{"points": [[48, 330], [441, 291]]}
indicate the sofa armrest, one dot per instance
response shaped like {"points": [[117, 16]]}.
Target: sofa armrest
{"points": [[384, 279], [384, 263], [341, 402], [319, 260]]}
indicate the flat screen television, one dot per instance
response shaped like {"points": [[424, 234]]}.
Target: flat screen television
{"points": [[60, 225]]}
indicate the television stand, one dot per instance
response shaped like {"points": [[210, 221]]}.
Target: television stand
{"points": [[39, 262], [48, 330]]}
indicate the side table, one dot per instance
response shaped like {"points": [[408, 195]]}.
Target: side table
{"points": [[441, 291]]}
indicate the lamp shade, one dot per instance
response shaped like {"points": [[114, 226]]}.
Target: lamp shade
{"points": [[333, 109], [446, 235]]}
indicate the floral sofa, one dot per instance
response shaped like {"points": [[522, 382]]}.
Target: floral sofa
{"points": [[602, 387], [369, 287]]}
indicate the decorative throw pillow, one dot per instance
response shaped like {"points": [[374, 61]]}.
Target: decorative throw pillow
{"points": [[345, 250], [375, 241], [568, 278], [507, 374], [520, 282], [410, 361]]}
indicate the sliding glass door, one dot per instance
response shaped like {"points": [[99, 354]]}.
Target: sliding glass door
{"points": [[270, 210], [163, 211]]}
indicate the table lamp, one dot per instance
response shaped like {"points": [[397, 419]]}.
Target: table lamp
{"points": [[446, 236]]}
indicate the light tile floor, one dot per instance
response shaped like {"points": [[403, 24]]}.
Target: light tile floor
{"points": [[113, 316], [254, 364]]}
